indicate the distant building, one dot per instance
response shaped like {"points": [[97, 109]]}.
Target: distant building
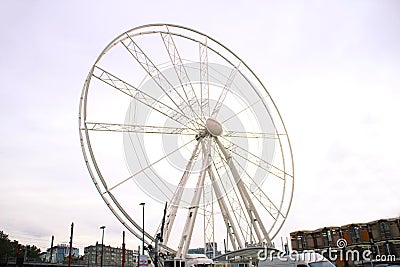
{"points": [[196, 251], [60, 253], [381, 237], [111, 256], [208, 251], [43, 256], [210, 248]]}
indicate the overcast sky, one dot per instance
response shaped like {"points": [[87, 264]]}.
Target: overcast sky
{"points": [[332, 68]]}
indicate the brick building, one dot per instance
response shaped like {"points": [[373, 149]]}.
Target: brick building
{"points": [[381, 237], [111, 256]]}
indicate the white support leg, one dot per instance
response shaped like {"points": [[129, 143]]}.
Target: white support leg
{"points": [[192, 213], [256, 223], [174, 204], [225, 214]]}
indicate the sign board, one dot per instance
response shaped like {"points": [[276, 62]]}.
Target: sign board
{"points": [[143, 261]]}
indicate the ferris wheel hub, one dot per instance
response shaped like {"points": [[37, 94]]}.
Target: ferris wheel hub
{"points": [[213, 127]]}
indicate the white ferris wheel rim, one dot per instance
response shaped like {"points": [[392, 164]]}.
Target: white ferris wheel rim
{"points": [[213, 128]]}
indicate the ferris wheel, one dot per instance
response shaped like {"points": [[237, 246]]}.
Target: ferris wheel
{"points": [[169, 114]]}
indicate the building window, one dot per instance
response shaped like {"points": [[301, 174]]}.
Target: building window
{"points": [[327, 238], [385, 230], [300, 242], [356, 236]]}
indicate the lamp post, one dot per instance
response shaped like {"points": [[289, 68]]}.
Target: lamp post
{"points": [[142, 204], [95, 259], [227, 236], [102, 246]]}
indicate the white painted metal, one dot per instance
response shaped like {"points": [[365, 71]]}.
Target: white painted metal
{"points": [[174, 204], [214, 127], [193, 209], [232, 231], [208, 220], [196, 116], [204, 85], [256, 223]]}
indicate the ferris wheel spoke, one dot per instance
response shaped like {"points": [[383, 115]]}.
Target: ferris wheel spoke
{"points": [[160, 181], [139, 95], [260, 195], [114, 81], [249, 106], [204, 85], [224, 92], [149, 166], [180, 71], [132, 128], [260, 135], [256, 160], [157, 76]]}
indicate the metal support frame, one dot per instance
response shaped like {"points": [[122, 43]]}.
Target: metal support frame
{"points": [[193, 209], [232, 233], [225, 90], [180, 70], [181, 111], [204, 85], [208, 220], [173, 206], [163, 83], [256, 223]]}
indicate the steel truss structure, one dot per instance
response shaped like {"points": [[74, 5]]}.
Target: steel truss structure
{"points": [[218, 128]]}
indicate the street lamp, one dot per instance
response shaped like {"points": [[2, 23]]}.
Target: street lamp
{"points": [[102, 246], [142, 204], [227, 236]]}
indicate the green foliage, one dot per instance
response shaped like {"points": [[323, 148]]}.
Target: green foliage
{"points": [[9, 248], [33, 252], [3, 236], [5, 245]]}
